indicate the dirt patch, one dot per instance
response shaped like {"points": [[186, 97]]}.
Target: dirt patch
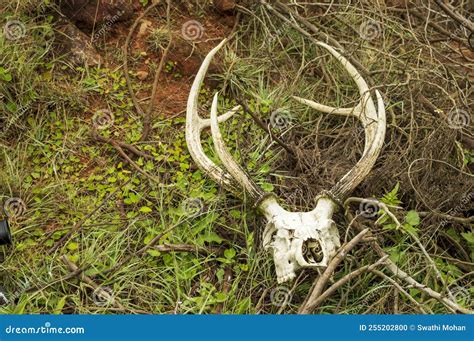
{"points": [[192, 39], [89, 15], [171, 97]]}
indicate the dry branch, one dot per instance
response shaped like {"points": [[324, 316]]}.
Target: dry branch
{"points": [[308, 305]]}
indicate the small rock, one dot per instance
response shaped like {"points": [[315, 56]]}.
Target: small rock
{"points": [[92, 14], [144, 26], [76, 45], [224, 5], [142, 75]]}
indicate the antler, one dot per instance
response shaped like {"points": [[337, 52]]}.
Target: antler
{"points": [[298, 239], [195, 125], [374, 125], [255, 192]]}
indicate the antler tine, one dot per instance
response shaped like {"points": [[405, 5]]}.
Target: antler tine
{"points": [[374, 124], [365, 106], [230, 164], [195, 125]]}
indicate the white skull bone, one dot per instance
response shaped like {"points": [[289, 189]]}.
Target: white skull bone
{"points": [[299, 239]]}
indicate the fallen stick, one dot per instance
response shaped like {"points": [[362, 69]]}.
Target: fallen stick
{"points": [[402, 275], [320, 299], [187, 248], [400, 289], [321, 282], [97, 288]]}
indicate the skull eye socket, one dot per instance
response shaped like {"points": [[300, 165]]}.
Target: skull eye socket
{"points": [[312, 251]]}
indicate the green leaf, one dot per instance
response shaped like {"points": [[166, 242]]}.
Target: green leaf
{"points": [[394, 191], [229, 253], [60, 306], [412, 218], [391, 198], [7, 77], [244, 267], [396, 255], [243, 306], [392, 226], [453, 234], [220, 274], [72, 246], [209, 237], [145, 209], [235, 214], [469, 236], [220, 297], [154, 253], [265, 169], [267, 187], [148, 239], [409, 228]]}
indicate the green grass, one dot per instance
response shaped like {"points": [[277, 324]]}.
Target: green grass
{"points": [[49, 160]]}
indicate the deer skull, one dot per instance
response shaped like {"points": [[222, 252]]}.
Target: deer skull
{"points": [[298, 239]]}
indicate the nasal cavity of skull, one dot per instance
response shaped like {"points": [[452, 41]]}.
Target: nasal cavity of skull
{"points": [[312, 251]]}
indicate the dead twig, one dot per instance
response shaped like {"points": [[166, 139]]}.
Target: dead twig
{"points": [[449, 10], [188, 248], [308, 305], [363, 70], [121, 144], [386, 210], [333, 288], [226, 286], [402, 275], [98, 290], [266, 129], [125, 56], [431, 23], [147, 116], [144, 249], [400, 289], [79, 224]]}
